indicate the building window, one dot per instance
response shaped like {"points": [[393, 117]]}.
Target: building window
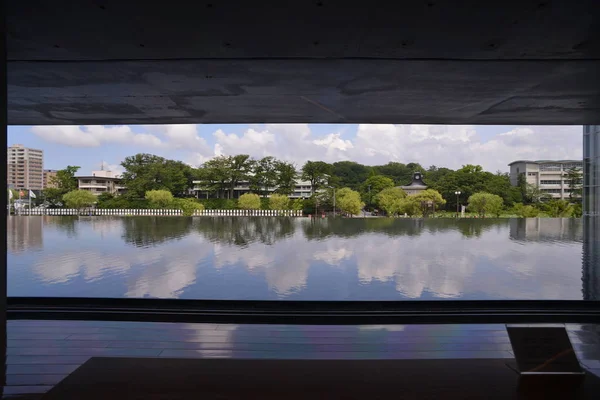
{"points": [[550, 167], [550, 182], [551, 190], [531, 174]]}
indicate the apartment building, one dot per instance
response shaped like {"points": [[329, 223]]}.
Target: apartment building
{"points": [[49, 175], [101, 182], [548, 175], [303, 189], [25, 168]]}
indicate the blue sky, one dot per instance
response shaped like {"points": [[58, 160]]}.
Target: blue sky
{"points": [[451, 146]]}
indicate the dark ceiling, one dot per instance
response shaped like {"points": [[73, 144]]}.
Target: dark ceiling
{"points": [[451, 62]]}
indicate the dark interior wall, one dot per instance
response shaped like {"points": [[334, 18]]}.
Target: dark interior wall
{"points": [[3, 126]]}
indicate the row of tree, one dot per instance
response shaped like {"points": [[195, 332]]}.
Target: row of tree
{"points": [[221, 175]]}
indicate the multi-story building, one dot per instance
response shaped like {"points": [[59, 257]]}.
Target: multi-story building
{"points": [[48, 180], [101, 182], [303, 189], [25, 168], [551, 177]]}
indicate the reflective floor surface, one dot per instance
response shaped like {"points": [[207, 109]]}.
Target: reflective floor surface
{"points": [[42, 353]]}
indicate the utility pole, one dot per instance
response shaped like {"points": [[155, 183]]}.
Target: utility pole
{"points": [[457, 193], [333, 189], [333, 201]]}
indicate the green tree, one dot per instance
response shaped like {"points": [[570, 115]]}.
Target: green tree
{"points": [[145, 172], [239, 169], [317, 173], [469, 180], [79, 199], [104, 197], [574, 181], [390, 200], [249, 201], [351, 174], [373, 185], [188, 206], [214, 176], [401, 174], [535, 195], [558, 208], [525, 211], [297, 205], [485, 203], [63, 183], [349, 201], [65, 178], [411, 206], [279, 202], [434, 175], [577, 210], [430, 201], [286, 177], [522, 185], [159, 198], [264, 175]]}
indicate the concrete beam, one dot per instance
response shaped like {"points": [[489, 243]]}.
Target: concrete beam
{"points": [[436, 61], [319, 91]]}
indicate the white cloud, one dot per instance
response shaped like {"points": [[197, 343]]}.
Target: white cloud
{"points": [[442, 145], [94, 135], [183, 136]]}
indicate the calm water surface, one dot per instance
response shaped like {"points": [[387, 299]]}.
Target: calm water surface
{"points": [[296, 259]]}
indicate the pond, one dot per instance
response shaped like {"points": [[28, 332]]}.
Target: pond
{"points": [[270, 258]]}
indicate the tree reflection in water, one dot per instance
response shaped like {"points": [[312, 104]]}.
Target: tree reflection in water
{"points": [[304, 259]]}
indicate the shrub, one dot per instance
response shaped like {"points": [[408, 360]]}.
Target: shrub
{"points": [[249, 201]]}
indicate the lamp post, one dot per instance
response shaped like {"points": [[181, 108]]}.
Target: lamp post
{"points": [[457, 193], [333, 190]]}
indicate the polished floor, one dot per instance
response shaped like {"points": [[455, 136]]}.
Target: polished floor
{"points": [[41, 353]]}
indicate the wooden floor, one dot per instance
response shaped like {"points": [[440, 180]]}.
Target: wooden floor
{"points": [[41, 353]]}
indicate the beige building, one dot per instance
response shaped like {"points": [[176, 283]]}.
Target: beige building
{"points": [[548, 175], [49, 175], [25, 168], [416, 186], [101, 182]]}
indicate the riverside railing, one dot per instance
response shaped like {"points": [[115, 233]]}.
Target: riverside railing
{"points": [[159, 212]]}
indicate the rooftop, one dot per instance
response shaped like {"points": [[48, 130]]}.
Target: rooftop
{"points": [[545, 161]]}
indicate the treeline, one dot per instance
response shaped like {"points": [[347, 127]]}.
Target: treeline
{"points": [[357, 185]]}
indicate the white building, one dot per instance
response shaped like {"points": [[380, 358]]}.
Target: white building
{"points": [[303, 189], [101, 182], [548, 175]]}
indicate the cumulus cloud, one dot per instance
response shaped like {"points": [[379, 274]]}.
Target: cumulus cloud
{"points": [[94, 135], [442, 145], [416, 266], [451, 146]]}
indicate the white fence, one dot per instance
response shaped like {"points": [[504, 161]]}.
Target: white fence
{"points": [[171, 212]]}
